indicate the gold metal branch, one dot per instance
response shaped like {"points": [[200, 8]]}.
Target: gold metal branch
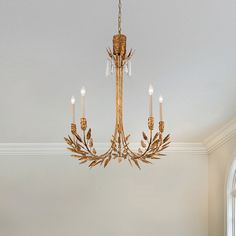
{"points": [[83, 149]]}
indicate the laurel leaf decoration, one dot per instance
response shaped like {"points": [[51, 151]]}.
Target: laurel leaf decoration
{"points": [[107, 161], [78, 137], [161, 154], [145, 161], [155, 157], [140, 151], [129, 54], [83, 158], [130, 163], [76, 156], [145, 136], [136, 163], [82, 148], [155, 136], [154, 144], [120, 159], [166, 138], [77, 151], [89, 134], [143, 144], [90, 143], [92, 164], [84, 161], [94, 151], [127, 137], [71, 149], [68, 141]]}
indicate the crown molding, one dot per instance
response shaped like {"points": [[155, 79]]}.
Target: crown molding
{"points": [[26, 149], [221, 136], [214, 141]]}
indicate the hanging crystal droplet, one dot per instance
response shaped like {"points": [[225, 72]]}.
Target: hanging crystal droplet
{"points": [[126, 68], [108, 68], [112, 68], [129, 69]]}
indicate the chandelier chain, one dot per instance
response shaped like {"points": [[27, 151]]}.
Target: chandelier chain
{"points": [[119, 17]]}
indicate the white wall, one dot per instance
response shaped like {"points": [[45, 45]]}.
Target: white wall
{"points": [[55, 196], [220, 161]]}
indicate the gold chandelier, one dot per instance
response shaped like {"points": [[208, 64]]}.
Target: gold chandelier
{"points": [[150, 147]]}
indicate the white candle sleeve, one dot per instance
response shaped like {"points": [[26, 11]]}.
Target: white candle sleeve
{"points": [[161, 108], [82, 106], [150, 91], [83, 92], [73, 109], [150, 106]]}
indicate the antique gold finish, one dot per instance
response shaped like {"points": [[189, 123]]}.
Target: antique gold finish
{"points": [[150, 145], [83, 124], [151, 123], [119, 45], [73, 128], [161, 126]]}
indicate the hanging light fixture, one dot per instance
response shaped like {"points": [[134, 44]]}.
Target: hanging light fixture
{"points": [[150, 147]]}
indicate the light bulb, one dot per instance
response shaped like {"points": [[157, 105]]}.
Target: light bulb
{"points": [[161, 99], [150, 90], [83, 91], [72, 100]]}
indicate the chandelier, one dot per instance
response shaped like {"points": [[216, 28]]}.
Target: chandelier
{"points": [[151, 146]]}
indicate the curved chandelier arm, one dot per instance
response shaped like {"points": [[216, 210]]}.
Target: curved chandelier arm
{"points": [[91, 152], [136, 155], [82, 147], [85, 152]]}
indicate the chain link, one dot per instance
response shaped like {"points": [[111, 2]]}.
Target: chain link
{"points": [[119, 17]]}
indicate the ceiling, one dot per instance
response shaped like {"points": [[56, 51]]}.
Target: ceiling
{"points": [[49, 49]]}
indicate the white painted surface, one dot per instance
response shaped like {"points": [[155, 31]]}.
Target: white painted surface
{"points": [[230, 198], [220, 162], [221, 136], [50, 49], [51, 149], [55, 196]]}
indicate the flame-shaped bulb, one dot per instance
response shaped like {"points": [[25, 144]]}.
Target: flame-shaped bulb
{"points": [[161, 99], [83, 91], [150, 90], [72, 100]]}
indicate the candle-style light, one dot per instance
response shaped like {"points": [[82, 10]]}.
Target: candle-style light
{"points": [[83, 92], [150, 91], [161, 108], [72, 100]]}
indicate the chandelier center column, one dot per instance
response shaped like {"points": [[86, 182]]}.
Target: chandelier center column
{"points": [[119, 51]]}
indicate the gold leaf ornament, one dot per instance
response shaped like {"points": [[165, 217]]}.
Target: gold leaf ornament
{"points": [[88, 134], [145, 136], [143, 144]]}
